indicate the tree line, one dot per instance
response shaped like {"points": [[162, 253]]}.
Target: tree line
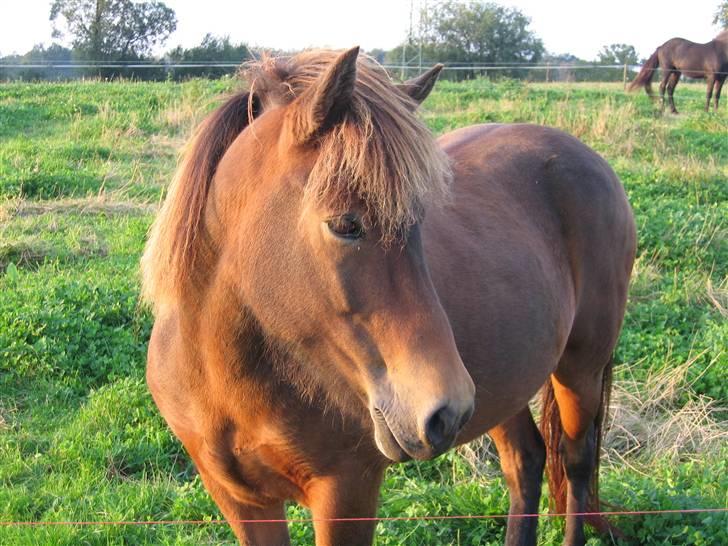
{"points": [[463, 34]]}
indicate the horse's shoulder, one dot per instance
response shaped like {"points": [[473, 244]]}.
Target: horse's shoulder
{"points": [[168, 370], [162, 341]]}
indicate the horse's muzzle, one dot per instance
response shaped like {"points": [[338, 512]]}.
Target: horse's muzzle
{"points": [[435, 435]]}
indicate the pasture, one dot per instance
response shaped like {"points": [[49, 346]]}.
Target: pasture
{"points": [[82, 168]]}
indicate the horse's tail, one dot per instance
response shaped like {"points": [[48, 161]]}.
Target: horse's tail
{"points": [[551, 430], [644, 78]]}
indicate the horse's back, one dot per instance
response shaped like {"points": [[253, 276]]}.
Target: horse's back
{"points": [[538, 240], [692, 59], [537, 183]]}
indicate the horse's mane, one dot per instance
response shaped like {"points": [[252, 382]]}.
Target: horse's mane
{"points": [[380, 153], [722, 36]]}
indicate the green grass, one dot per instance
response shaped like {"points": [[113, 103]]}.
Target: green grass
{"points": [[82, 166]]}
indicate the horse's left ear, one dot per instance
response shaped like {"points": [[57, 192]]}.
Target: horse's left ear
{"points": [[418, 88], [324, 104]]}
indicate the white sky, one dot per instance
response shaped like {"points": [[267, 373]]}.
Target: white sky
{"points": [[580, 27]]}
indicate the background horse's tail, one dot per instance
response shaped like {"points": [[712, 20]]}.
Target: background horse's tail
{"points": [[551, 430], [644, 78]]}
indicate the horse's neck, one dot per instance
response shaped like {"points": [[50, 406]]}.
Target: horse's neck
{"points": [[226, 335], [231, 343]]}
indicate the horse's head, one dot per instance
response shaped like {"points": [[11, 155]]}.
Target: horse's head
{"points": [[315, 211]]}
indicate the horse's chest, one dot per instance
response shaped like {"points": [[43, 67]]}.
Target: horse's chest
{"points": [[255, 458]]}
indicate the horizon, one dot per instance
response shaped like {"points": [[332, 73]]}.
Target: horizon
{"points": [[383, 24]]}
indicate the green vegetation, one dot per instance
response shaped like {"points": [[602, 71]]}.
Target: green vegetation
{"points": [[82, 167], [472, 32]]}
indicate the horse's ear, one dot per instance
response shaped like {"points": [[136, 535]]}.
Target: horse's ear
{"points": [[418, 88], [323, 104]]}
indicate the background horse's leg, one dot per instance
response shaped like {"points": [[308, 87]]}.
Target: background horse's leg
{"points": [[251, 533], [710, 79], [671, 84], [718, 87], [663, 84], [353, 494], [522, 458], [577, 385]]}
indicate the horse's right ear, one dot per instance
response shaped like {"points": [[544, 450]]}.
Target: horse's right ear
{"points": [[323, 104], [419, 88]]}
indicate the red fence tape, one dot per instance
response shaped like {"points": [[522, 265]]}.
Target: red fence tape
{"points": [[394, 518]]}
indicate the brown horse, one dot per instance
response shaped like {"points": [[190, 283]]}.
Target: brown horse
{"points": [[334, 291], [678, 56]]}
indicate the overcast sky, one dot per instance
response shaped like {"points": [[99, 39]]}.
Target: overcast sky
{"points": [[579, 27]]}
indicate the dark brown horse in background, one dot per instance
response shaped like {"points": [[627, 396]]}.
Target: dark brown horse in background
{"points": [[678, 56], [327, 302]]}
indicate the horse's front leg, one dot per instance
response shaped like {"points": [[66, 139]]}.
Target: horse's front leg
{"points": [[352, 494], [252, 525]]}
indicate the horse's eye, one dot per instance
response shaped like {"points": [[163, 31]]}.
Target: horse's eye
{"points": [[346, 227]]}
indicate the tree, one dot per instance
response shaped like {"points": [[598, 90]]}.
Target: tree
{"points": [[211, 49], [54, 52], [618, 54], [377, 54], [561, 67], [474, 32], [721, 15], [113, 30], [39, 54]]}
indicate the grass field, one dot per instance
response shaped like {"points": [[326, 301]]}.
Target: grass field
{"points": [[82, 169]]}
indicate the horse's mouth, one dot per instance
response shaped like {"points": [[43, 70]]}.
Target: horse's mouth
{"points": [[385, 439]]}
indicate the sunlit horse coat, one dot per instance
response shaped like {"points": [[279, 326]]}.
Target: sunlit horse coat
{"points": [[334, 290]]}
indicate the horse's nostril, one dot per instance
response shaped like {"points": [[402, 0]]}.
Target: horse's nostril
{"points": [[439, 428], [443, 425]]}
